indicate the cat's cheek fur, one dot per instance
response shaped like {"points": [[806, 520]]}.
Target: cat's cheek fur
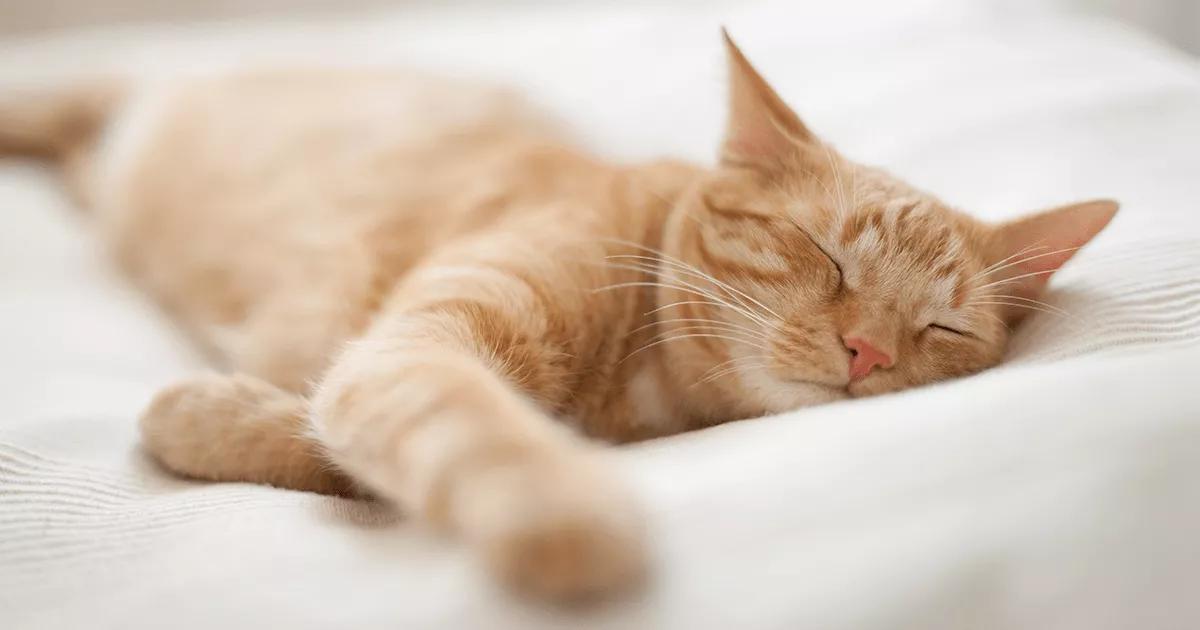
{"points": [[808, 348]]}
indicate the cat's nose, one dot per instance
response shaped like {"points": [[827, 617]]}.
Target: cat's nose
{"points": [[864, 357]]}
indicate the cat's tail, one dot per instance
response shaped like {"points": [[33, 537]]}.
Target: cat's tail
{"points": [[58, 122]]}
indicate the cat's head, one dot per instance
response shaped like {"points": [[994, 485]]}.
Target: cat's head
{"points": [[837, 279]]}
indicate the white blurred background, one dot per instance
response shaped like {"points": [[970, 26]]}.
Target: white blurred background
{"points": [[1176, 21]]}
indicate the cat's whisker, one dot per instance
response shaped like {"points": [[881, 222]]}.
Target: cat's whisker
{"points": [[993, 316], [727, 371], [669, 279], [693, 271], [1023, 299], [730, 362], [711, 322], [653, 265], [1027, 259], [688, 336], [730, 366], [741, 311], [1025, 306], [987, 270], [998, 283], [660, 274], [708, 329], [660, 256], [680, 303], [748, 308]]}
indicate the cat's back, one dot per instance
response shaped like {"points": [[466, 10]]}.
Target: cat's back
{"points": [[338, 138], [216, 192]]}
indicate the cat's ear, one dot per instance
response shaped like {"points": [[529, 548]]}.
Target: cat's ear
{"points": [[761, 129], [1027, 251]]}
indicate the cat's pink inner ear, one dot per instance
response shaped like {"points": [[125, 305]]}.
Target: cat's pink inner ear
{"points": [[1038, 245], [761, 127]]}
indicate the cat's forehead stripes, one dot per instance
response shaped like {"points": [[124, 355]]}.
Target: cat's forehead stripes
{"points": [[903, 246]]}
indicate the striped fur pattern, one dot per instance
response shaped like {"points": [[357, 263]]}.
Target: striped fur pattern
{"points": [[423, 293]]}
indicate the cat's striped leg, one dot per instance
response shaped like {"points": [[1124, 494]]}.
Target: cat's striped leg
{"points": [[239, 428], [425, 416]]}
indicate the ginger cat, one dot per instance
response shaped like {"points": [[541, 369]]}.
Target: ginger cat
{"points": [[419, 289]]}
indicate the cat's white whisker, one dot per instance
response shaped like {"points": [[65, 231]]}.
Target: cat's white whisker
{"points": [[671, 279], [1022, 299], [708, 329], [661, 256], [709, 322], [732, 361], [680, 303], [987, 270], [1029, 258], [693, 271], [995, 317], [729, 370], [645, 283], [1025, 306], [1013, 279], [736, 363], [749, 310], [689, 336]]}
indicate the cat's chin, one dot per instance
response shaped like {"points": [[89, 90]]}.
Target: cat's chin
{"points": [[874, 386], [778, 395]]}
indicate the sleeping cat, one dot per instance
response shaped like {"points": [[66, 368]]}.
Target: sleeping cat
{"points": [[422, 292]]}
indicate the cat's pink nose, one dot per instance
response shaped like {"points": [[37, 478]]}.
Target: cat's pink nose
{"points": [[864, 357]]}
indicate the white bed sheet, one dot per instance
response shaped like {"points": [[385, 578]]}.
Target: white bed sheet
{"points": [[1059, 491]]}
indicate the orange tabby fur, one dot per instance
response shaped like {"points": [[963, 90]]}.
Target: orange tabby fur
{"points": [[411, 280]]}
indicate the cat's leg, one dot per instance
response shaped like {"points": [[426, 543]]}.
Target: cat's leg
{"points": [[292, 337], [239, 428], [433, 410]]}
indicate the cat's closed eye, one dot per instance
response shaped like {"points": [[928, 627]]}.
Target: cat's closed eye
{"points": [[836, 265], [948, 329]]}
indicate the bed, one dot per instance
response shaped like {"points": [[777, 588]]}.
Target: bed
{"points": [[1059, 491]]}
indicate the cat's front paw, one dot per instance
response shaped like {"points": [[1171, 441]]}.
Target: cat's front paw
{"points": [[238, 428], [559, 530], [184, 425]]}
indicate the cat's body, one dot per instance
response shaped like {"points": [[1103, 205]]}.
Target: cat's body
{"points": [[356, 211], [417, 285]]}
